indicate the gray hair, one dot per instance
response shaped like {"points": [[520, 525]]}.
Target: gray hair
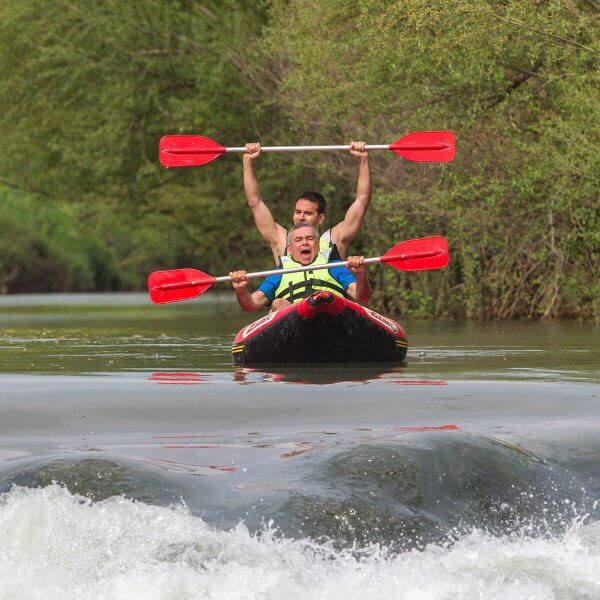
{"points": [[300, 225]]}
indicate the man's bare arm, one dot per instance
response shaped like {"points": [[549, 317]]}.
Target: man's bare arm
{"points": [[343, 233], [359, 291], [273, 233], [250, 302]]}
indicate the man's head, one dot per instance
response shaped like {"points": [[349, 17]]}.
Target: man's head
{"points": [[310, 208], [303, 243]]}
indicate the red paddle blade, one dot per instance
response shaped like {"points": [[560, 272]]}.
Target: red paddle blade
{"points": [[426, 146], [187, 150], [418, 255], [177, 285]]}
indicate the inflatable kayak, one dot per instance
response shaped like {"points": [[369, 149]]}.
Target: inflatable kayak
{"points": [[322, 328]]}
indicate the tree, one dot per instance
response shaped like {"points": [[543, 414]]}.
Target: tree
{"points": [[518, 83]]}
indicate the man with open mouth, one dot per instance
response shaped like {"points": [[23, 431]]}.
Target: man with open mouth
{"points": [[288, 288]]}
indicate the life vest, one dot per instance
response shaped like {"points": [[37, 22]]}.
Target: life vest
{"points": [[296, 286], [325, 241]]}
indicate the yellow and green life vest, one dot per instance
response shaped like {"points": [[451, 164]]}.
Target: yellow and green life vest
{"points": [[296, 286], [325, 241]]}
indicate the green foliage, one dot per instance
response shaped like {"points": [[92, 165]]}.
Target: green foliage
{"points": [[92, 86], [88, 88], [43, 250], [518, 83], [58, 247]]}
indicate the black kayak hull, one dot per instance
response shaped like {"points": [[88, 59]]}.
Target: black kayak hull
{"points": [[321, 329]]}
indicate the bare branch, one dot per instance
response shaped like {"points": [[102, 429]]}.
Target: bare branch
{"points": [[546, 34], [13, 186]]}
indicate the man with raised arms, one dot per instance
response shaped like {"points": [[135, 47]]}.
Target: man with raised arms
{"points": [[310, 207], [288, 288]]}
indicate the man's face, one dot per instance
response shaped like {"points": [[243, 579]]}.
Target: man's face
{"points": [[304, 245], [306, 210]]}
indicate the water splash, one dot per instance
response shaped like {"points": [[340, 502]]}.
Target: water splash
{"points": [[59, 545]]}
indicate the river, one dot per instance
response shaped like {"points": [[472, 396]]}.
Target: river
{"points": [[136, 461]]}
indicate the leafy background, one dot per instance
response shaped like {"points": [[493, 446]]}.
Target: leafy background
{"points": [[88, 88]]}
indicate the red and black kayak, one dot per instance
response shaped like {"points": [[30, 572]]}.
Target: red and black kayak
{"points": [[322, 328]]}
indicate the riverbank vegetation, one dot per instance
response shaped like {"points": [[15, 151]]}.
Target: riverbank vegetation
{"points": [[89, 88]]}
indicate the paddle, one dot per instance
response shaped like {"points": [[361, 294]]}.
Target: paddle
{"points": [[412, 255], [196, 150]]}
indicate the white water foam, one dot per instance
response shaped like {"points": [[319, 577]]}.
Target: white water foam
{"points": [[55, 545]]}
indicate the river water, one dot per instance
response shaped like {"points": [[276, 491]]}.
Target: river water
{"points": [[136, 461]]}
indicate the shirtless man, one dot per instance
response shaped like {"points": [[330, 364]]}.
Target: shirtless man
{"points": [[310, 206]]}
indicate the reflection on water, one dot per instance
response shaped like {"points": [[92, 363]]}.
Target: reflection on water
{"points": [[179, 378], [296, 376]]}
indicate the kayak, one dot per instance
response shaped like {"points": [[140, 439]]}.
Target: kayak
{"points": [[322, 328]]}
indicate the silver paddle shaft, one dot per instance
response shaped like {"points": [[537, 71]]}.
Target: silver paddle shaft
{"points": [[303, 148], [208, 280], [331, 265]]}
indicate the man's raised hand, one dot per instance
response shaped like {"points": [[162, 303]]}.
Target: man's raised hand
{"points": [[252, 151], [358, 148]]}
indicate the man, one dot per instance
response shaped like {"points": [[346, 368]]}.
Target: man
{"points": [[288, 288], [310, 206]]}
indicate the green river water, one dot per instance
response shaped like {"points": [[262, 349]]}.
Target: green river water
{"points": [[86, 333]]}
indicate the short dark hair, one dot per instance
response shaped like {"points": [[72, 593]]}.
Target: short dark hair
{"points": [[315, 197]]}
